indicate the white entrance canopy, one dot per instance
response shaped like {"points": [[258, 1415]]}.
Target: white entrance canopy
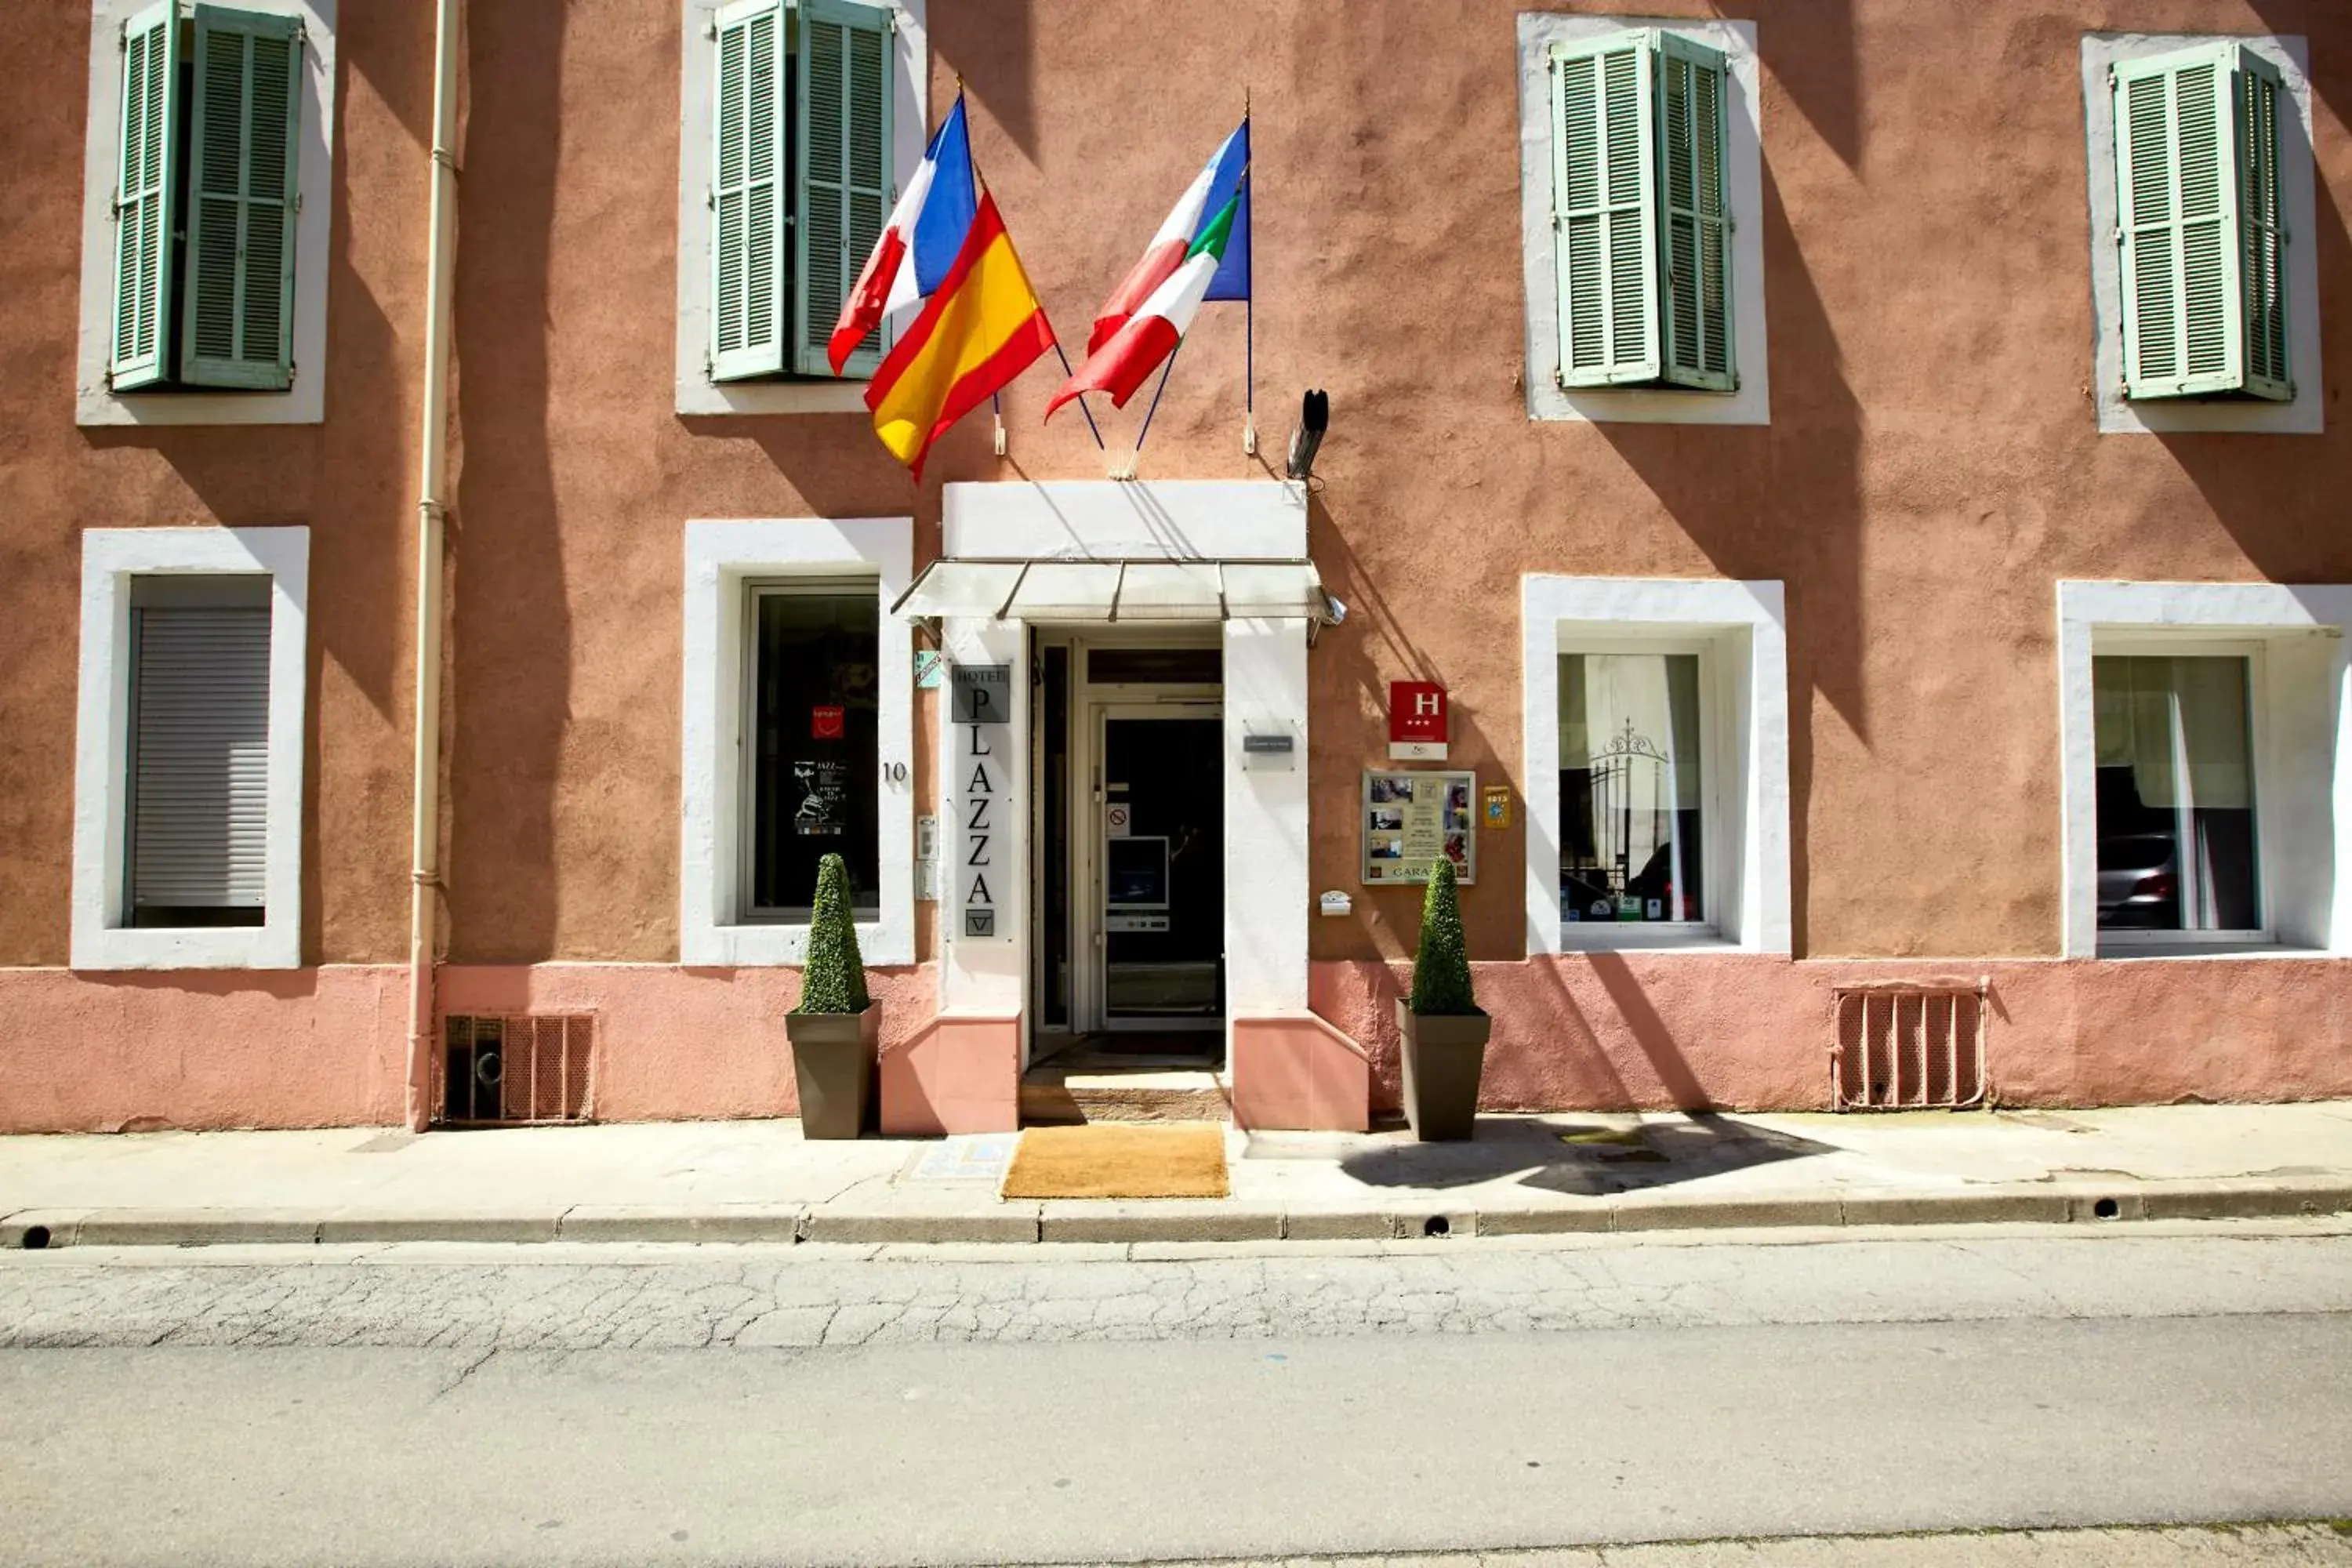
{"points": [[1123, 590]]}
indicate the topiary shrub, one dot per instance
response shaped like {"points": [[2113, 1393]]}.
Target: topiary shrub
{"points": [[834, 979], [1440, 966]]}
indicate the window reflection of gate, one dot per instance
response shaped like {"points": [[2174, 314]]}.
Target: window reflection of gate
{"points": [[1633, 859], [1631, 796]]}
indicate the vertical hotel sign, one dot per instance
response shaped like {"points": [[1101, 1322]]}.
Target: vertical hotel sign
{"points": [[982, 710]]}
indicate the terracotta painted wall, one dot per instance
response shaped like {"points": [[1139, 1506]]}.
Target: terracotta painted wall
{"points": [[1931, 468], [351, 479]]}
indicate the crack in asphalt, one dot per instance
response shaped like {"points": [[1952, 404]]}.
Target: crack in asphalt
{"points": [[523, 1297]]}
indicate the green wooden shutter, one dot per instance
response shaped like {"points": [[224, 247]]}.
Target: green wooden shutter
{"points": [[238, 321], [2188, 167], [2261, 99], [845, 183], [1694, 99], [147, 170], [747, 253], [1605, 212]]}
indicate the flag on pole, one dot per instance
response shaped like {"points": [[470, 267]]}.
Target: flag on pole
{"points": [[918, 245], [978, 331], [1218, 183], [1150, 334]]}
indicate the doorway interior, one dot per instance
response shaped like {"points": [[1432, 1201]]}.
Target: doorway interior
{"points": [[1128, 870]]}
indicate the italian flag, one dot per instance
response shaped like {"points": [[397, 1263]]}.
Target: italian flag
{"points": [[1123, 363]]}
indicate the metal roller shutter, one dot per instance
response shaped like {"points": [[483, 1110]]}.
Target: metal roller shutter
{"points": [[199, 749]]}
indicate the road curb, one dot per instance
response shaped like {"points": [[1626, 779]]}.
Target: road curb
{"points": [[1067, 1221]]}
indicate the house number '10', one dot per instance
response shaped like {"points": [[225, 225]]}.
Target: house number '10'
{"points": [[896, 773]]}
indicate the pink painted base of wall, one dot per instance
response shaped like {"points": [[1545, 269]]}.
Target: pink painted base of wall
{"points": [[684, 1044], [953, 1075], [324, 1047], [328, 1046], [1746, 1031], [1296, 1072], [116, 1053]]}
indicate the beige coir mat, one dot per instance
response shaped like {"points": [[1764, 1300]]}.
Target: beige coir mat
{"points": [[1119, 1159]]}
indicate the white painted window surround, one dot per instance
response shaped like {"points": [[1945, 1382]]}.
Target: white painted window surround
{"points": [[722, 558], [2303, 740], [1740, 629], [2305, 416], [110, 559], [696, 392], [304, 403], [1744, 189]]}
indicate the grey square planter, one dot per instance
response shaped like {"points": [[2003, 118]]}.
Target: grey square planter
{"points": [[1445, 1054], [833, 1060]]}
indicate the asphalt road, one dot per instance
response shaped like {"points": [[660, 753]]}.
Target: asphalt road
{"points": [[545, 1404]]}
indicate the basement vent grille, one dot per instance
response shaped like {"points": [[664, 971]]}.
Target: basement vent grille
{"points": [[1910, 1045], [506, 1068]]}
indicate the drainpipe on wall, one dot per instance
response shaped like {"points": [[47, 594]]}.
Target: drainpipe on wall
{"points": [[424, 875]]}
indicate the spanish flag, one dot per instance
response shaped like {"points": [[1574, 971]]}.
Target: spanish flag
{"points": [[981, 329]]}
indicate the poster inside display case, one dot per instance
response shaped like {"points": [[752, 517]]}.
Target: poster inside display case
{"points": [[1410, 817]]}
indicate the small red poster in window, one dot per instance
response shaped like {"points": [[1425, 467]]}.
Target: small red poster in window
{"points": [[827, 723]]}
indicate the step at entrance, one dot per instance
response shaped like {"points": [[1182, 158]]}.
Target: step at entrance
{"points": [[1056, 1095]]}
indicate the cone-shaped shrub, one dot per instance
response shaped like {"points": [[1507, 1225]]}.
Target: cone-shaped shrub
{"points": [[1441, 967], [834, 979]]}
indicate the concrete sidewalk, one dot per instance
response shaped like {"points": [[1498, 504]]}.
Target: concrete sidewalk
{"points": [[759, 1181]]}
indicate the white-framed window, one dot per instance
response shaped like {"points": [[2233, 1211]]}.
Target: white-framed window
{"points": [[188, 749], [1656, 763], [1641, 193], [208, 203], [798, 735], [2205, 766], [801, 120], [2204, 266]]}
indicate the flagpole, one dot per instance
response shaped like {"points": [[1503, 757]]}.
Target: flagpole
{"points": [[1249, 308], [1165, 366], [1066, 373]]}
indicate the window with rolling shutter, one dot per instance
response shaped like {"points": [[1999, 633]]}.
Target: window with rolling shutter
{"points": [[198, 752], [237, 320], [1641, 216], [802, 184], [2199, 223], [205, 200]]}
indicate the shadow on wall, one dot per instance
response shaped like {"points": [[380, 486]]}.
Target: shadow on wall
{"points": [[1582, 1157], [2281, 514], [1821, 78], [1806, 529], [1575, 1065], [1353, 670], [994, 46], [510, 661]]}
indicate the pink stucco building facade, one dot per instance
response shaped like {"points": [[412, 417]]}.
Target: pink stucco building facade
{"points": [[1835, 587]]}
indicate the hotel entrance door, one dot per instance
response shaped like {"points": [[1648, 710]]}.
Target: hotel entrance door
{"points": [[1159, 891]]}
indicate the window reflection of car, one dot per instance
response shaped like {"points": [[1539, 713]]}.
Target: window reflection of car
{"points": [[2139, 882]]}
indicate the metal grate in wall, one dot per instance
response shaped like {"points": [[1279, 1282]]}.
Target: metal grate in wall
{"points": [[505, 1070], [1910, 1045]]}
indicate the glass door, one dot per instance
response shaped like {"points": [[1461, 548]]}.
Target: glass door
{"points": [[1161, 895]]}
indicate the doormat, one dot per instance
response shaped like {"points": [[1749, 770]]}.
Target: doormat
{"points": [[1112, 1160]]}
